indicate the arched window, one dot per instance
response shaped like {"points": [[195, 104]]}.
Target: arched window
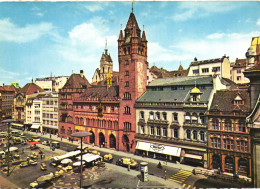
{"points": [[127, 110], [187, 117], [175, 133], [188, 134], [142, 115], [194, 118], [202, 118], [195, 135], [151, 115], [202, 136]]}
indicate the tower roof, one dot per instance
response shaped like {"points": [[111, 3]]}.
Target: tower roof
{"points": [[132, 22]]}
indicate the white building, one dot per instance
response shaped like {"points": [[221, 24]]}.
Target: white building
{"points": [[218, 66], [51, 84]]}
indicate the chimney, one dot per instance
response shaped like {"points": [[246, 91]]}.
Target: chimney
{"points": [[81, 73]]}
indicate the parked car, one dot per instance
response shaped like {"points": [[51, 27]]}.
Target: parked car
{"points": [[46, 142], [108, 158], [36, 138], [127, 161], [43, 166]]}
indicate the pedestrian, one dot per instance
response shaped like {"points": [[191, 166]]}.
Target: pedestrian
{"points": [[28, 159], [61, 138], [159, 165], [165, 174], [166, 159], [128, 167], [53, 148], [103, 144], [143, 154]]}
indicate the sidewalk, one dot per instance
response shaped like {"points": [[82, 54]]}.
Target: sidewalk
{"points": [[5, 183], [120, 153]]}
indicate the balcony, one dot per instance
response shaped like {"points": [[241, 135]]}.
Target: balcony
{"points": [[175, 123], [157, 122], [197, 125], [141, 121]]}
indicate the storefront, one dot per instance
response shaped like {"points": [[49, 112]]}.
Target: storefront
{"points": [[158, 151]]}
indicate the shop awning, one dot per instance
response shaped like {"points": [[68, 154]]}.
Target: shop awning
{"points": [[193, 156], [34, 126], [159, 148], [17, 125]]}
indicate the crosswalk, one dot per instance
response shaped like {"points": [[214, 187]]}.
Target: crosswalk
{"points": [[180, 176]]}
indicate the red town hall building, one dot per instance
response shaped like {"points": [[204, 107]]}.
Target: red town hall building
{"points": [[108, 112]]}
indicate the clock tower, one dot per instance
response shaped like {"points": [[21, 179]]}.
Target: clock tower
{"points": [[132, 58]]}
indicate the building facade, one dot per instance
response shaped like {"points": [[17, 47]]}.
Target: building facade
{"points": [[229, 139], [218, 66], [7, 102], [171, 119], [75, 85], [51, 84], [237, 69]]}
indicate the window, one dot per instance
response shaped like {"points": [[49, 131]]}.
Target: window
{"points": [[188, 134], [151, 115], [215, 124], [194, 98], [175, 133], [127, 126], [215, 142], [164, 116], [141, 115], [195, 71], [158, 131], [187, 118], [242, 146], [238, 78], [127, 84], [175, 117], [127, 96], [239, 71], [173, 88], [126, 62], [202, 118], [228, 125], [152, 130], [142, 129], [164, 132], [195, 135], [241, 127], [228, 144], [202, 136], [205, 70], [181, 88], [127, 110], [157, 115], [238, 102], [215, 69], [126, 73]]}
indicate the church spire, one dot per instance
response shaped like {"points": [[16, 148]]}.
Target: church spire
{"points": [[106, 47]]}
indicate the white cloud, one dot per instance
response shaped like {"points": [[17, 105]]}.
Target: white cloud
{"points": [[216, 45], [85, 45], [11, 32], [190, 10], [258, 22], [94, 7]]}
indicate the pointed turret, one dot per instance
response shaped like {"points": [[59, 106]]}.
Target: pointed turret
{"points": [[132, 23], [144, 37]]}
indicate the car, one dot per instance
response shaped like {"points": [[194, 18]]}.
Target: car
{"points": [[36, 138], [127, 161], [43, 166], [46, 142], [108, 158]]}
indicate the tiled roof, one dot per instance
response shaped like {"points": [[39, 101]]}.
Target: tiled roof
{"points": [[200, 80], [7, 88], [115, 79], [223, 101], [254, 68], [227, 82], [75, 81], [101, 92], [106, 57], [163, 73], [240, 63], [173, 95], [30, 88]]}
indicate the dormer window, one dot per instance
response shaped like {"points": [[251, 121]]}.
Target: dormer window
{"points": [[195, 95], [238, 100]]}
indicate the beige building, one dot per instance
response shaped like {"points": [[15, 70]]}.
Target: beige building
{"points": [[51, 84], [218, 66], [236, 71]]}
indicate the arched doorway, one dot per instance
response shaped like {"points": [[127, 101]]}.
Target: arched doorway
{"points": [[112, 141], [126, 142], [92, 138], [216, 161], [243, 165], [101, 139], [229, 164]]}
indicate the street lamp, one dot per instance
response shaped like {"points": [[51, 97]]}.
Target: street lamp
{"points": [[8, 121], [81, 135]]}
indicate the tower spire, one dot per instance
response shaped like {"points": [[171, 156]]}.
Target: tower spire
{"points": [[133, 6], [106, 47]]}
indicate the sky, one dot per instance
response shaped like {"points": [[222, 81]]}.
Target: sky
{"points": [[40, 38]]}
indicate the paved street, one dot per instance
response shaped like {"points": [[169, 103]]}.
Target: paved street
{"points": [[176, 175]]}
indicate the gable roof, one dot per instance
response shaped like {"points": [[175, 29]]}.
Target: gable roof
{"points": [[223, 101], [30, 88], [75, 81]]}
